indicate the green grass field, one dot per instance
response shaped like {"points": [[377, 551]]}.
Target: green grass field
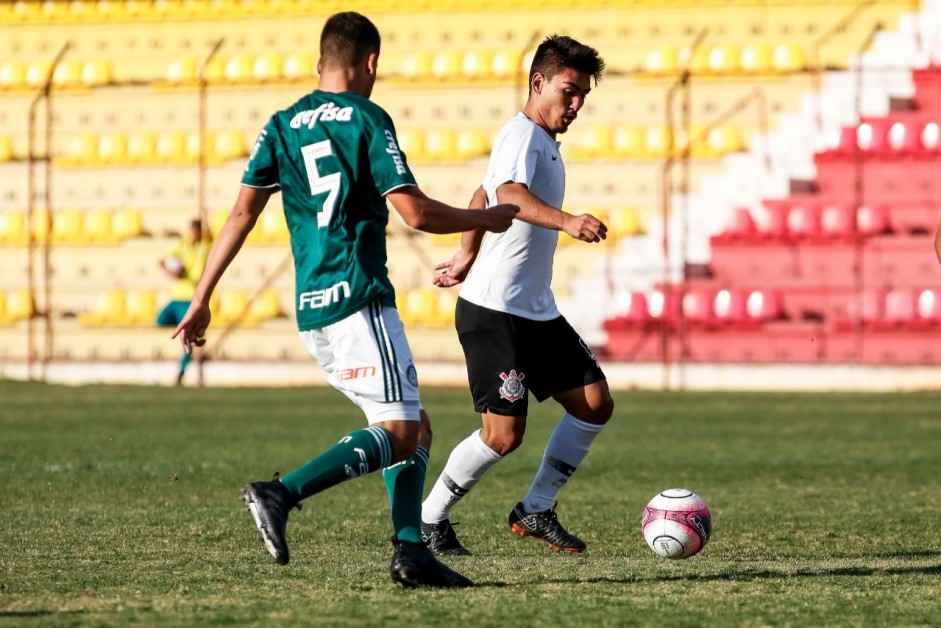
{"points": [[120, 506]]}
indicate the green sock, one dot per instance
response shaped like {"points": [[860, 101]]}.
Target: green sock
{"points": [[406, 482], [359, 453]]}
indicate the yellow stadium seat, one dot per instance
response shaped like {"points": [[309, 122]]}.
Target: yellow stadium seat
{"points": [[182, 70], [477, 65], [109, 309], [193, 147], [67, 226], [97, 226], [238, 69], [20, 305], [266, 306], [622, 221], [273, 227], [725, 59], [724, 139], [126, 224], [13, 227], [446, 302], [82, 150], [268, 67], [662, 60], [142, 148], [300, 66], [757, 58], [656, 141], [68, 73], [41, 226], [217, 219], [6, 148], [789, 58], [595, 141], [112, 149], [507, 65], [412, 143], [441, 144], [422, 306], [96, 72], [38, 73], [171, 147], [628, 141], [233, 305], [470, 143], [417, 66], [228, 145], [214, 71], [140, 307], [12, 75]]}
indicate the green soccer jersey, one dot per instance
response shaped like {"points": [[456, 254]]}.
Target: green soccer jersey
{"points": [[334, 157]]}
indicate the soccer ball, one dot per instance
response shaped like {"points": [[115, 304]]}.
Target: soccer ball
{"points": [[677, 523]]}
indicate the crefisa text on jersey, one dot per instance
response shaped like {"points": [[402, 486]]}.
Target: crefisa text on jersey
{"points": [[327, 112], [393, 149]]}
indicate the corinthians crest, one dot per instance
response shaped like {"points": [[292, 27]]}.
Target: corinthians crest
{"points": [[512, 388]]}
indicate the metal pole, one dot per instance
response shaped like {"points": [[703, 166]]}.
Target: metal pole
{"points": [[44, 94]]}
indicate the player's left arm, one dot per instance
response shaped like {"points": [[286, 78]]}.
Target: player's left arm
{"points": [[584, 227]]}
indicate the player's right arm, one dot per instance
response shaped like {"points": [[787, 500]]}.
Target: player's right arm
{"points": [[454, 271], [584, 227], [249, 204], [426, 214]]}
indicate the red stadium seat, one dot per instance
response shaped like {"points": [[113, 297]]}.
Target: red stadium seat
{"points": [[873, 220], [838, 221], [741, 225], [803, 221], [929, 140], [872, 137], [697, 306], [929, 306], [765, 305], [729, 306], [900, 306], [630, 311]]}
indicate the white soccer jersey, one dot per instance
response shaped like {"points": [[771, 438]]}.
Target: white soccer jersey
{"points": [[513, 272]]}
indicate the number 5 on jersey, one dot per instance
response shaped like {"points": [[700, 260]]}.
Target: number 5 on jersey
{"points": [[329, 184]]}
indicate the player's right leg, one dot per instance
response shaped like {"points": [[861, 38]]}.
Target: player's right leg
{"points": [[497, 381]]}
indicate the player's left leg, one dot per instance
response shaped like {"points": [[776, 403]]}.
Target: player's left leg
{"points": [[570, 374]]}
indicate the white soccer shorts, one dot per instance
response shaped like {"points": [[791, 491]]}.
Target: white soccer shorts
{"points": [[367, 358]]}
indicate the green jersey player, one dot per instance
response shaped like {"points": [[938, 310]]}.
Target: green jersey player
{"points": [[335, 158]]}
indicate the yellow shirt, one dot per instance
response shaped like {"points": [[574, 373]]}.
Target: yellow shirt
{"points": [[192, 258]]}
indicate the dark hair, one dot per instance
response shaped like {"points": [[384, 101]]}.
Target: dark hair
{"points": [[558, 52], [346, 38]]}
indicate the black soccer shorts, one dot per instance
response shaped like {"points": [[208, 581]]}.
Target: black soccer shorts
{"points": [[509, 355]]}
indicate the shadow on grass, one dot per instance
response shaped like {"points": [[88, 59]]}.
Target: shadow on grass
{"points": [[746, 575], [26, 614]]}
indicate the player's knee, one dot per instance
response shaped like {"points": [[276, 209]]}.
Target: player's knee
{"points": [[600, 410], [404, 438], [503, 442]]}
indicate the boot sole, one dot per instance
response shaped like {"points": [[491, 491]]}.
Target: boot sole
{"points": [[249, 499], [524, 533]]}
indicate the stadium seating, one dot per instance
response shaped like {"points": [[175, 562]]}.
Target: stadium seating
{"points": [[451, 74]]}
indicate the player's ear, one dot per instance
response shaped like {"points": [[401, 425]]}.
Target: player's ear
{"points": [[319, 67], [538, 82], [372, 63]]}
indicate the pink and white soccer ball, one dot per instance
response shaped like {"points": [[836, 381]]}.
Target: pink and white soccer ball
{"points": [[677, 523]]}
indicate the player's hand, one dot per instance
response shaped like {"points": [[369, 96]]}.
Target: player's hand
{"points": [[453, 271], [584, 227], [192, 329], [501, 216]]}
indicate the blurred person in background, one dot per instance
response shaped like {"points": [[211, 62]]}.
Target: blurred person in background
{"points": [[184, 263]]}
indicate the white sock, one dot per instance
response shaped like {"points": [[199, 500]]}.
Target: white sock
{"points": [[567, 447], [466, 465]]}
